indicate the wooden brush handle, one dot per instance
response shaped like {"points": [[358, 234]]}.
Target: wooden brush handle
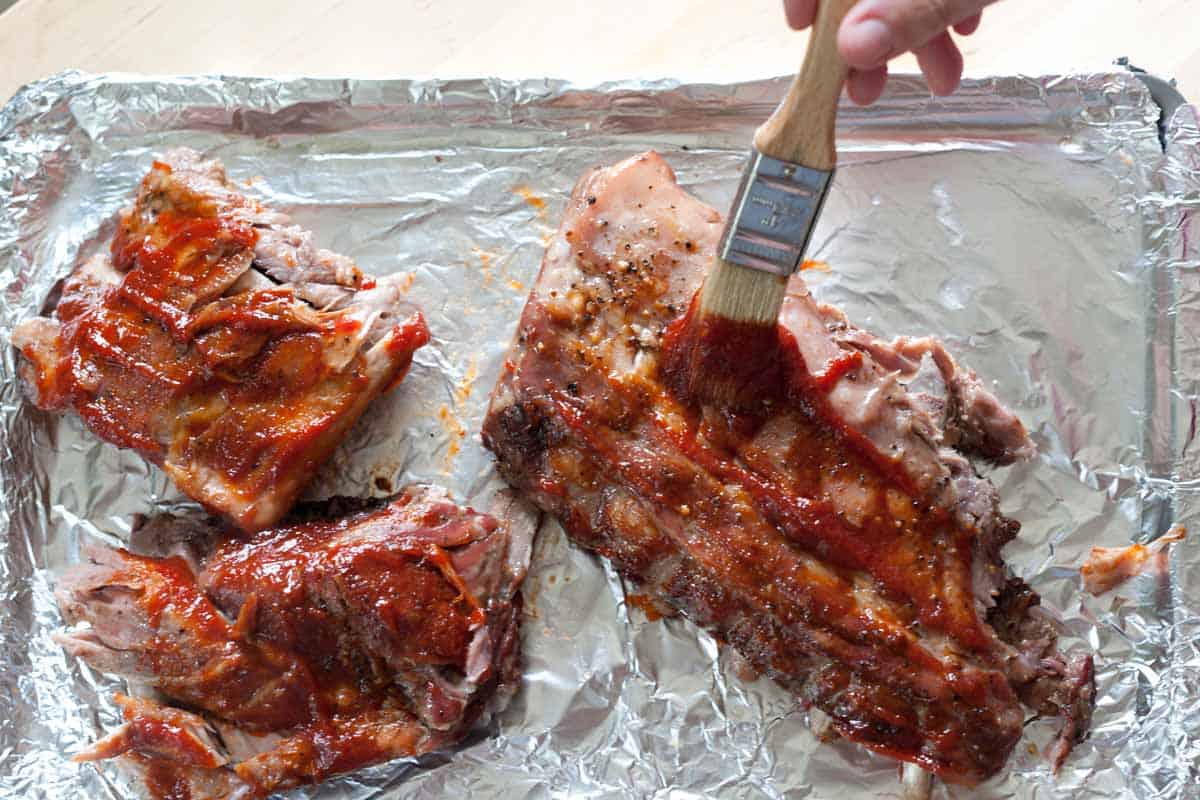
{"points": [[801, 129]]}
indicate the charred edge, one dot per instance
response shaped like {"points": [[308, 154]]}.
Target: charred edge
{"points": [[335, 509], [1008, 617], [518, 434]]}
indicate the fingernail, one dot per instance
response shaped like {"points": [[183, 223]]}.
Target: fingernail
{"points": [[869, 43]]}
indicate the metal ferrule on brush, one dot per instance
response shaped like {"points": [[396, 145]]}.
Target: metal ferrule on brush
{"points": [[773, 214]]}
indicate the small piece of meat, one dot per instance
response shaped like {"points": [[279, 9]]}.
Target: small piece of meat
{"points": [[158, 731], [1046, 681], [1107, 568], [177, 345], [833, 531], [384, 633]]}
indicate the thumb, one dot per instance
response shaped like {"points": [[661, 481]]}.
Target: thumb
{"points": [[876, 30]]}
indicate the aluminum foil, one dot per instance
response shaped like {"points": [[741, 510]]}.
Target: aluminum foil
{"points": [[1041, 226]]}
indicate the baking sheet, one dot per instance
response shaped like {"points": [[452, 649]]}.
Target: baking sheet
{"points": [[1035, 224]]}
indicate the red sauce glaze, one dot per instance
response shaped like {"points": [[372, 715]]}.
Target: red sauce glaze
{"points": [[408, 589], [811, 393], [164, 780], [209, 665], [791, 495], [127, 346], [169, 586], [351, 744], [751, 368], [148, 734], [729, 500], [710, 357], [767, 520], [236, 395], [409, 335], [120, 370], [262, 311], [406, 338], [646, 604], [838, 368], [193, 263], [269, 641], [892, 554]]}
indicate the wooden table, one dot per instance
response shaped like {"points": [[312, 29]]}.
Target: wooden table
{"points": [[698, 39]]}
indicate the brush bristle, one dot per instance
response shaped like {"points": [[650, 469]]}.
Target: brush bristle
{"points": [[725, 350], [742, 294]]}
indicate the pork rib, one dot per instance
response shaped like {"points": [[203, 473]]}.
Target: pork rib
{"points": [[836, 535], [328, 644], [217, 341]]}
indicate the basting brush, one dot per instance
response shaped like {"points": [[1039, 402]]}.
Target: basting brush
{"points": [[728, 342]]}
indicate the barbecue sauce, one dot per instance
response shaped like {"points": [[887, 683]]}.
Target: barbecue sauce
{"points": [[154, 729], [759, 369], [700, 471], [194, 260], [661, 440], [769, 521], [165, 780], [169, 585], [237, 396], [410, 585], [706, 356], [287, 641]]}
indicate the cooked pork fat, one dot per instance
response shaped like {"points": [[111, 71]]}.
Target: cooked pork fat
{"points": [[834, 533], [306, 650], [220, 343]]}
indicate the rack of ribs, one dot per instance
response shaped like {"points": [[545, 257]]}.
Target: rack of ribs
{"points": [[217, 341], [834, 533], [305, 650]]}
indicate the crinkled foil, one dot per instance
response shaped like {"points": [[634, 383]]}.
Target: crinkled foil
{"points": [[1040, 226]]}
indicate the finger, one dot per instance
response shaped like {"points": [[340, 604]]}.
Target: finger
{"points": [[968, 25], [866, 45], [799, 12], [942, 64], [865, 87], [876, 30]]}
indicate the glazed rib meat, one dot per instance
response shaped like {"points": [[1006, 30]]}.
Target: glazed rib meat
{"points": [[219, 342], [306, 650], [835, 534]]}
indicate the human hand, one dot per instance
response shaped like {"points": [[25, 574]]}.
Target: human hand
{"points": [[876, 31]]}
